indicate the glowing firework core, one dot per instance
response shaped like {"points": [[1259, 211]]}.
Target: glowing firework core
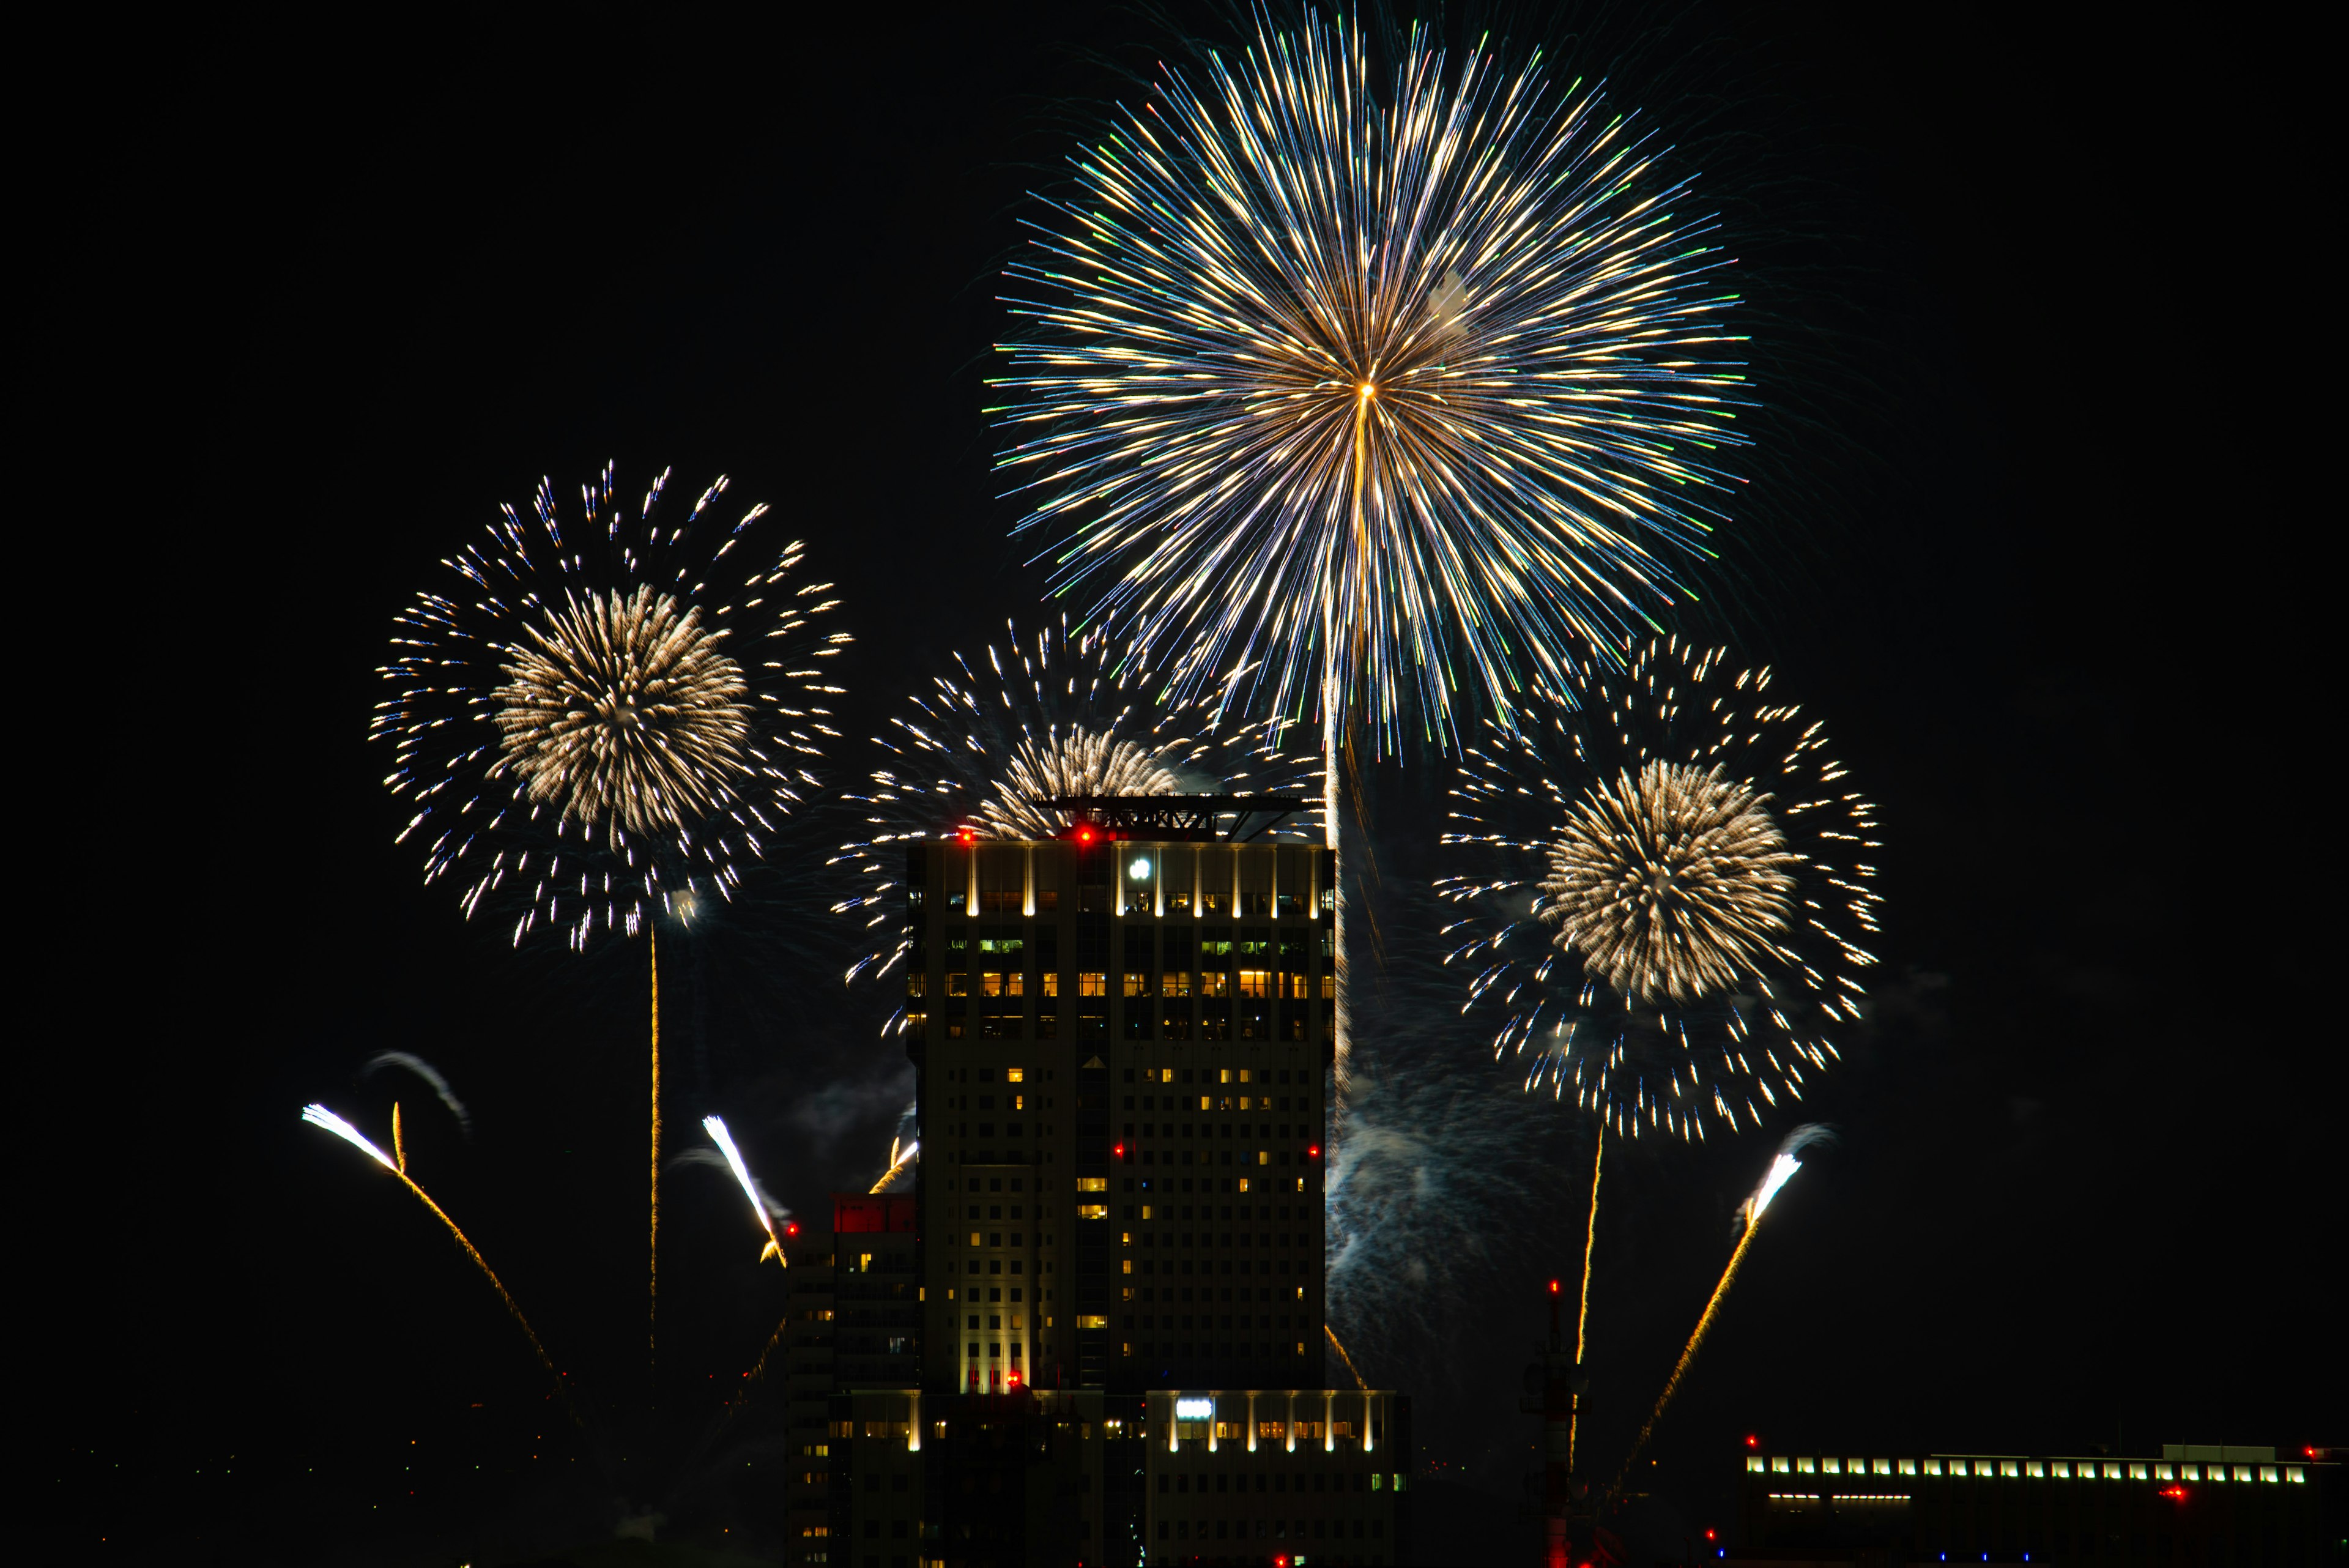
{"points": [[626, 710], [1669, 885]]}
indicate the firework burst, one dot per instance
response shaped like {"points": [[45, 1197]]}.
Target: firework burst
{"points": [[1665, 895], [1032, 718], [1399, 390], [598, 717]]}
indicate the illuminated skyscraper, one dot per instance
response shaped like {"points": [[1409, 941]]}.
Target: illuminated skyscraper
{"points": [[1121, 1038]]}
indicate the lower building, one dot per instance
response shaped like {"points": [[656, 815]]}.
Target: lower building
{"points": [[2194, 1507]]}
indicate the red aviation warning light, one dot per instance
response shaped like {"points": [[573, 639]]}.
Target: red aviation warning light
{"points": [[1314, 1152], [1086, 833], [1120, 1151], [2174, 1493], [791, 1226], [964, 834], [1709, 1535], [1553, 1287], [1753, 1441]]}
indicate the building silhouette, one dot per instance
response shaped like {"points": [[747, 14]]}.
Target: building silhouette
{"points": [[1115, 1240]]}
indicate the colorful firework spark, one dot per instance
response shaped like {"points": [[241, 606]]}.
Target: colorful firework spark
{"points": [[1030, 719], [1664, 893], [1393, 389], [599, 717]]}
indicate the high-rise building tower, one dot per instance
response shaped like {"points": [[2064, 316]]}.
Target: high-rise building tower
{"points": [[1121, 1038]]}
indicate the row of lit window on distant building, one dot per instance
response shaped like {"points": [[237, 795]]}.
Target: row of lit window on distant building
{"points": [[2036, 1469], [1175, 880]]}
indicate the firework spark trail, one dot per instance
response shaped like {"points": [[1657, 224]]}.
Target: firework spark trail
{"points": [[1027, 719], [899, 1160], [593, 719], [319, 1116], [1582, 1310], [716, 1127], [1338, 1346], [1661, 891], [1783, 1167]]}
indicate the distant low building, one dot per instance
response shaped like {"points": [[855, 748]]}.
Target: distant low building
{"points": [[2194, 1507]]}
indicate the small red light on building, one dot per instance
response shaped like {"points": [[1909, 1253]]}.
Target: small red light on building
{"points": [[1710, 1536], [790, 1227], [2174, 1493], [1084, 835], [1752, 1441], [965, 835], [1314, 1153], [1120, 1151]]}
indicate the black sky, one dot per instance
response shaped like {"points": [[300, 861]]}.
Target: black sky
{"points": [[2033, 539]]}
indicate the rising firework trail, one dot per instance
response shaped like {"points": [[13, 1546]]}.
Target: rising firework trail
{"points": [[1403, 389], [900, 1160], [1783, 1167], [595, 719], [760, 1204], [1032, 718], [319, 1116], [1663, 893]]}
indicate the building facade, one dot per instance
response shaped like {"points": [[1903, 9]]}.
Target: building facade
{"points": [[1120, 1046]]}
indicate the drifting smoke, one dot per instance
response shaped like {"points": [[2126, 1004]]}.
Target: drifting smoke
{"points": [[431, 1076]]}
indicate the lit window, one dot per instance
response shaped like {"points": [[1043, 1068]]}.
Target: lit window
{"points": [[1092, 1184], [1832, 1466], [958, 985], [1255, 982], [1092, 984], [1882, 1467], [2062, 1470], [1780, 1464], [2035, 1469], [1015, 1075], [1932, 1467], [2164, 1472], [2295, 1475], [2138, 1472], [1806, 1466], [1908, 1466], [1093, 1211], [1137, 985], [2008, 1468], [1755, 1462], [1093, 1320], [1051, 983]]}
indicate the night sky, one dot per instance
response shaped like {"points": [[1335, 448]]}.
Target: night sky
{"points": [[2020, 529]]}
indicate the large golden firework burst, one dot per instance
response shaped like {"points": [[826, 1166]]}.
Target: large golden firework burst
{"points": [[1671, 884], [609, 716], [1663, 888], [625, 706]]}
